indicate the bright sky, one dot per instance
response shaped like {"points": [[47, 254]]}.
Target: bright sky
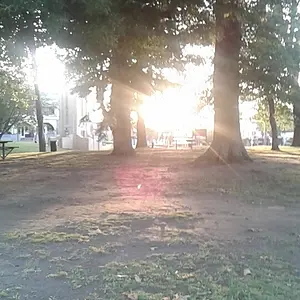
{"points": [[51, 78], [162, 112]]}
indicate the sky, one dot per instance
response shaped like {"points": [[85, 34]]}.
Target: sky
{"points": [[50, 71]]}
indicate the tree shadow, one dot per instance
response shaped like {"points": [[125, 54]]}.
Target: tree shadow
{"points": [[78, 183]]}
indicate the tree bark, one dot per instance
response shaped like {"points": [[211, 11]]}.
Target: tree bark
{"points": [[294, 44], [40, 120], [227, 145], [38, 101], [296, 138], [121, 108], [121, 102], [141, 133], [274, 129]]}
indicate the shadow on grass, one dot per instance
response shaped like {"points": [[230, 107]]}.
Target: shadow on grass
{"points": [[152, 179], [114, 260]]}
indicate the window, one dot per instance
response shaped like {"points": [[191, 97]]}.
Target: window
{"points": [[49, 111]]}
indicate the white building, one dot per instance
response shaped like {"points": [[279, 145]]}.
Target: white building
{"points": [[27, 130], [51, 118], [75, 134]]}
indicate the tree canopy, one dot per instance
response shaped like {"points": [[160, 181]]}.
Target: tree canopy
{"points": [[15, 101]]}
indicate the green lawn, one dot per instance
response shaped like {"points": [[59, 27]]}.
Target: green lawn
{"points": [[24, 147]]}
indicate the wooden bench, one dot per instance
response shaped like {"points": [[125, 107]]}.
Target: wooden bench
{"points": [[7, 151]]}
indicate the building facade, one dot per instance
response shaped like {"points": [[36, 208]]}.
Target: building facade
{"points": [[78, 123]]}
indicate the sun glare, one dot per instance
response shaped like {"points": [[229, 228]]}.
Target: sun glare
{"points": [[172, 110], [176, 108], [50, 71]]}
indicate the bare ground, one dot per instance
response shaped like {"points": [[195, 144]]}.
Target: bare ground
{"points": [[152, 226]]}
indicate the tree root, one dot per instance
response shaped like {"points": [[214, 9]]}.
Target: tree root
{"points": [[224, 155]]}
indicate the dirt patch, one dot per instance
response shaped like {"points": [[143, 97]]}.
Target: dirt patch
{"points": [[90, 226]]}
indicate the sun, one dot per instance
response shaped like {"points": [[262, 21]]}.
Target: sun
{"points": [[171, 110], [175, 109]]}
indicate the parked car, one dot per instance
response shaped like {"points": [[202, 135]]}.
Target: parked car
{"points": [[288, 142]]}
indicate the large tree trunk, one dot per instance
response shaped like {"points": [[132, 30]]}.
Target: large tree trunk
{"points": [[296, 138], [121, 103], [227, 145], [275, 145], [141, 133], [121, 108]]}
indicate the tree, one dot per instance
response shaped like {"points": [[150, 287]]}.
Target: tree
{"points": [[267, 62], [296, 138], [293, 46], [286, 16], [15, 101], [284, 116], [132, 35], [140, 124], [227, 145], [273, 123], [141, 132], [24, 26]]}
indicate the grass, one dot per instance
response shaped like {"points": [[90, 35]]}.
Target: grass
{"points": [[58, 275], [46, 237], [10, 293], [107, 248], [150, 243], [273, 178], [203, 275], [266, 150], [213, 270], [24, 147]]}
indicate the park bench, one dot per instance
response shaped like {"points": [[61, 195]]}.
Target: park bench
{"points": [[190, 142], [6, 150]]}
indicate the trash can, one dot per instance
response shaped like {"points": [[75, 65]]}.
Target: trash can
{"points": [[53, 145]]}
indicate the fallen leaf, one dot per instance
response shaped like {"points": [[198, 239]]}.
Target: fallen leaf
{"points": [[137, 278], [180, 297], [94, 232], [254, 230], [122, 276], [247, 272], [131, 296]]}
